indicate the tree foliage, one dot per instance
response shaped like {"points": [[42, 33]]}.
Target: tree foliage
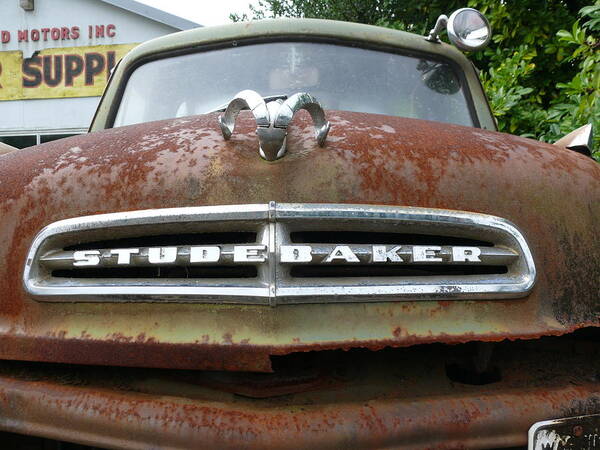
{"points": [[541, 71]]}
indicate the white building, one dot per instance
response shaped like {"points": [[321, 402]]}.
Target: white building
{"points": [[55, 57]]}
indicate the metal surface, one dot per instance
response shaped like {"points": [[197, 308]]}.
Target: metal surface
{"points": [[548, 193], [290, 29], [577, 433], [244, 99], [463, 36], [272, 120], [440, 24], [280, 220], [305, 101], [580, 140], [388, 399], [286, 254]]}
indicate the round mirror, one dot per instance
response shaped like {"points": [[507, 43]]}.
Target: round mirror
{"points": [[468, 29]]}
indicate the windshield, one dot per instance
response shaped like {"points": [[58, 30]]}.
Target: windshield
{"points": [[340, 77]]}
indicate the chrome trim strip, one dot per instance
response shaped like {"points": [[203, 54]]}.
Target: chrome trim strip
{"points": [[273, 224]]}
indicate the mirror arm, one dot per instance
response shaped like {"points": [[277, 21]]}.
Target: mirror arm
{"points": [[440, 24]]}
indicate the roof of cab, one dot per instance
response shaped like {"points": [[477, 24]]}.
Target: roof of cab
{"points": [[292, 28]]}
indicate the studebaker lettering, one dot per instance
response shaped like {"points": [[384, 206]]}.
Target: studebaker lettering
{"points": [[288, 254]]}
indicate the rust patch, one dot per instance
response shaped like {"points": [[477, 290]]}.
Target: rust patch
{"points": [[372, 409]]}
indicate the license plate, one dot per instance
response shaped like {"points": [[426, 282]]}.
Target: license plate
{"points": [[572, 433]]}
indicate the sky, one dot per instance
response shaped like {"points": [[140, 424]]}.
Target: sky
{"points": [[204, 12]]}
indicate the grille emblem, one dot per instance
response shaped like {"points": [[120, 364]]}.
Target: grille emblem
{"points": [[290, 253], [295, 254]]}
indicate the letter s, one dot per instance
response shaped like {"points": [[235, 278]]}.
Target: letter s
{"points": [[86, 258], [32, 75]]}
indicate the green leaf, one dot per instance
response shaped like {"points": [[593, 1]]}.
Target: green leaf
{"points": [[565, 35]]}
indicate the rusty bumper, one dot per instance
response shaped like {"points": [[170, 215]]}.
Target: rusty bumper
{"points": [[120, 420], [399, 398]]}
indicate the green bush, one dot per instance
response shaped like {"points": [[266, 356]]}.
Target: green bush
{"points": [[548, 85], [541, 71]]}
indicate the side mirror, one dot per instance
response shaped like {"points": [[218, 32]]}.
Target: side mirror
{"points": [[581, 140], [5, 148], [467, 28]]}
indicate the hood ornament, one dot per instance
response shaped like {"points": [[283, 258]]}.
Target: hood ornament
{"points": [[273, 118]]}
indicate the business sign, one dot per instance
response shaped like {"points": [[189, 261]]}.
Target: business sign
{"points": [[46, 34], [58, 72]]}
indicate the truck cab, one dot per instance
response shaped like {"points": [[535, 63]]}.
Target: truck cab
{"points": [[299, 233]]}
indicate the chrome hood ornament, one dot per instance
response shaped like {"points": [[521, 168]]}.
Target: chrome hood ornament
{"points": [[273, 118]]}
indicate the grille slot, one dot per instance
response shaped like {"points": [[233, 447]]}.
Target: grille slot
{"points": [[359, 271], [366, 237], [169, 239], [174, 272], [280, 254]]}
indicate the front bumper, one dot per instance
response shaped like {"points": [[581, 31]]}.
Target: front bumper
{"points": [[393, 398]]}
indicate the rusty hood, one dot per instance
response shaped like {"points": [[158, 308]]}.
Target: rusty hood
{"points": [[550, 193]]}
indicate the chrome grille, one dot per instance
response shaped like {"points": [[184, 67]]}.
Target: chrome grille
{"points": [[279, 254]]}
